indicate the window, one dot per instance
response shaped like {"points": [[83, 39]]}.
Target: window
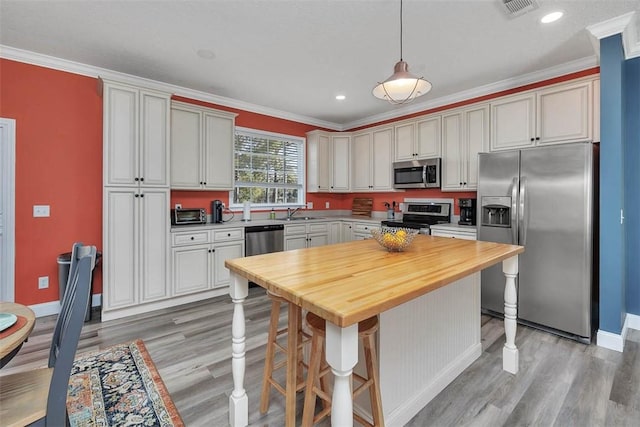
{"points": [[269, 169]]}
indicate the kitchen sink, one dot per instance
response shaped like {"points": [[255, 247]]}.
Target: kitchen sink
{"points": [[299, 218]]}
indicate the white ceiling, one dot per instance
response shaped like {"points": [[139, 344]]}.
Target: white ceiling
{"points": [[295, 56]]}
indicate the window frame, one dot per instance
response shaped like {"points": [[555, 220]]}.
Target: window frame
{"points": [[302, 172]]}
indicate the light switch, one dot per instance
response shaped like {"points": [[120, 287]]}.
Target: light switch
{"points": [[326, 205], [40, 211]]}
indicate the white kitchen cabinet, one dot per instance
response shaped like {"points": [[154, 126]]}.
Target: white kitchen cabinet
{"points": [[301, 236], [135, 246], [418, 139], [202, 141], [465, 133], [198, 259], [328, 162], [372, 154], [557, 114], [454, 231], [362, 230], [135, 136], [335, 228], [346, 231]]}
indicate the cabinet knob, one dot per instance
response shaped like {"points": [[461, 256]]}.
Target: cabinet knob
{"points": [[537, 138], [141, 179], [461, 183], [464, 183], [142, 195], [204, 183], [136, 179], [192, 238], [136, 195], [532, 139], [228, 234]]}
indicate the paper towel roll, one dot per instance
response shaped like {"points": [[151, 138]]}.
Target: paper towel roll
{"points": [[246, 214]]}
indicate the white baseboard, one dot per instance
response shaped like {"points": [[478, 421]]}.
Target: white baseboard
{"points": [[53, 307], [616, 341]]}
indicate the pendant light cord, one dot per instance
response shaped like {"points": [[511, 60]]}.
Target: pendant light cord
{"points": [[400, 30]]}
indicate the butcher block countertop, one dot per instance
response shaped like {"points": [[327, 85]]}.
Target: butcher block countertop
{"points": [[349, 282]]}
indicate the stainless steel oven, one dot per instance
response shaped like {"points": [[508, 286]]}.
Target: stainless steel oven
{"points": [[417, 174]]}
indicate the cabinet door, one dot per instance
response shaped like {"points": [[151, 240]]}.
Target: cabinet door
{"points": [[317, 240], [120, 248], [190, 269], [341, 163], [218, 152], [476, 141], [153, 254], [513, 122], [334, 232], [564, 114], [404, 142], [452, 155], [428, 137], [313, 162], [295, 242], [154, 139], [382, 154], [346, 232], [362, 162], [221, 276], [186, 128], [120, 135]]}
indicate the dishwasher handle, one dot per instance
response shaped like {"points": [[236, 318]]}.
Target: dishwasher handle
{"points": [[262, 228]]}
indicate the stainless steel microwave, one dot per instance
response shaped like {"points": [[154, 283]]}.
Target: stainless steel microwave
{"points": [[417, 174], [188, 216]]}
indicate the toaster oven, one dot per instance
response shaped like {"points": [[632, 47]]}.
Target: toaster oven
{"points": [[188, 216]]}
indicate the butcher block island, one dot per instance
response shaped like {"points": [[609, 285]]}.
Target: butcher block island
{"points": [[428, 299]]}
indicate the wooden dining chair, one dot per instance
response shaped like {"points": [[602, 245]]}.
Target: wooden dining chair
{"points": [[38, 397]]}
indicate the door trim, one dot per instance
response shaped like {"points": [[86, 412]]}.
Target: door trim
{"points": [[8, 171]]}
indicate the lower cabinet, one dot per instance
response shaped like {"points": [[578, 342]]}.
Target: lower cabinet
{"points": [[198, 259], [454, 232], [136, 247], [362, 230], [301, 236]]}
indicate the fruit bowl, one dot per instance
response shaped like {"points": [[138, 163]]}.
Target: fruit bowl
{"points": [[394, 239]]}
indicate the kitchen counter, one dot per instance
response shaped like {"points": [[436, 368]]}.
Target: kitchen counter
{"points": [[240, 223], [349, 282]]}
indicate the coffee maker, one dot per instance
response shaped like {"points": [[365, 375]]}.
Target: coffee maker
{"points": [[467, 211], [216, 211]]}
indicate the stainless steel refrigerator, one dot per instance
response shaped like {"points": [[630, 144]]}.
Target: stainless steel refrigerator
{"points": [[542, 198]]}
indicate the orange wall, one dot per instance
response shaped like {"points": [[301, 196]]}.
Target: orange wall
{"points": [[58, 163]]}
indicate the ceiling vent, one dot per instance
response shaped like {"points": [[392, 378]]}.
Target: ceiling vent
{"points": [[519, 7]]}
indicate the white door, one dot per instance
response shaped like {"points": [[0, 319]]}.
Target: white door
{"points": [[7, 208]]}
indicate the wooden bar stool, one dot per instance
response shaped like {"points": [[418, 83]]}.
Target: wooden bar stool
{"points": [[273, 346], [315, 387]]}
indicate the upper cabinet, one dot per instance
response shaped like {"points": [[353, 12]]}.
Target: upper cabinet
{"points": [[136, 136], [371, 166], [418, 139], [201, 148], [328, 162], [465, 133], [558, 114]]}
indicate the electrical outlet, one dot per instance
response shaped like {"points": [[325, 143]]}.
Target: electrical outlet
{"points": [[40, 211], [43, 282], [326, 205], [178, 206], [309, 205]]}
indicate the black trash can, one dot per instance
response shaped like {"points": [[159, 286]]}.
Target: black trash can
{"points": [[64, 264]]}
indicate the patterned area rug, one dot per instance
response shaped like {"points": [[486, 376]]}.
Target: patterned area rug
{"points": [[119, 386]]}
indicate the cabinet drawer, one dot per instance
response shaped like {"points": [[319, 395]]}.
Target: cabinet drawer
{"points": [[228, 234], [321, 227], [182, 239], [364, 228], [454, 234], [290, 230]]}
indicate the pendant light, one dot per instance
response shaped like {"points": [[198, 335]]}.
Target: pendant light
{"points": [[401, 87]]}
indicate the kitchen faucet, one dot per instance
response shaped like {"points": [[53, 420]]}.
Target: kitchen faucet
{"points": [[290, 213]]}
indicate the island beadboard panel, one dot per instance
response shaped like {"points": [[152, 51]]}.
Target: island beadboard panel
{"points": [[365, 279]]}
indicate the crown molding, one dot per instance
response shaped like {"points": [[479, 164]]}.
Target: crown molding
{"points": [[511, 83], [627, 25], [52, 62]]}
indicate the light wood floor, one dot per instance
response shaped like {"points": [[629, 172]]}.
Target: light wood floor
{"points": [[561, 382]]}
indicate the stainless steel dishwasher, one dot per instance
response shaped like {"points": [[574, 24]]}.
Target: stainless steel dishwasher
{"points": [[263, 239]]}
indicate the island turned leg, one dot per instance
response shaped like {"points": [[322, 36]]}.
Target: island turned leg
{"points": [[238, 401], [510, 351], [342, 356]]}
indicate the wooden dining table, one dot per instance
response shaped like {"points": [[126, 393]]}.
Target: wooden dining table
{"points": [[12, 338], [349, 282]]}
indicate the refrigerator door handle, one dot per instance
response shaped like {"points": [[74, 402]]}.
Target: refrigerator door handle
{"points": [[523, 215], [514, 211]]}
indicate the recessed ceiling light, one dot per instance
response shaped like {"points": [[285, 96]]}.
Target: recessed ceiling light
{"points": [[206, 54], [551, 17], [341, 97]]}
